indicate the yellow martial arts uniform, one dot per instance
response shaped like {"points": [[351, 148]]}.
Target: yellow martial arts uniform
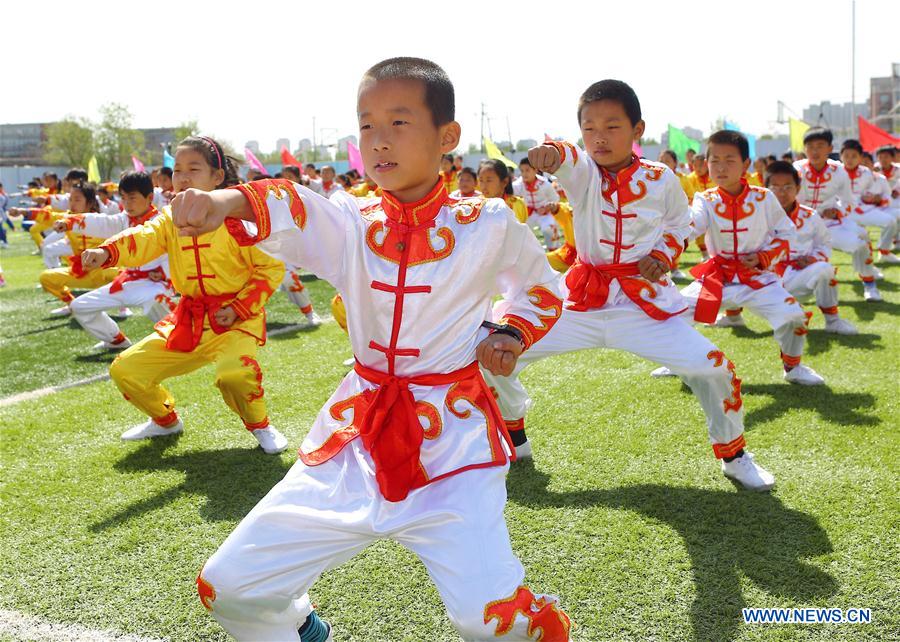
{"points": [[210, 272], [62, 280], [451, 180], [562, 258]]}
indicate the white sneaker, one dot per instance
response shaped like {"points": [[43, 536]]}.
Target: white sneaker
{"points": [[523, 451], [271, 441], [107, 345], [733, 321], [804, 375], [748, 473], [837, 325], [870, 293], [890, 258], [678, 275], [64, 311], [122, 313], [662, 371], [313, 319], [151, 429]]}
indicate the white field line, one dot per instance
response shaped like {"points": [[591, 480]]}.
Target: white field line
{"points": [[49, 390], [20, 626]]}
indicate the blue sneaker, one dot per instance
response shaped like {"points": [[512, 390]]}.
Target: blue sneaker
{"points": [[315, 629]]}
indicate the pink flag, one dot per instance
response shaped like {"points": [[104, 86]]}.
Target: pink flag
{"points": [[355, 158], [138, 165], [547, 138], [253, 161], [636, 148]]}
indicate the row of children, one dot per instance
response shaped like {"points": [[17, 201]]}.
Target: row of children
{"points": [[415, 442]]}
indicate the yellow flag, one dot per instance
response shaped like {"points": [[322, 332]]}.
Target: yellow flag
{"points": [[93, 170], [494, 152], [797, 129]]}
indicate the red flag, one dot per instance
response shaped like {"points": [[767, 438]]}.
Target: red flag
{"points": [[288, 159], [872, 137]]}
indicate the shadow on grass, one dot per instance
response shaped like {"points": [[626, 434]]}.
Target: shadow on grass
{"points": [[866, 310], [47, 327], [726, 534], [232, 481], [819, 341], [106, 356], [291, 329], [842, 408]]}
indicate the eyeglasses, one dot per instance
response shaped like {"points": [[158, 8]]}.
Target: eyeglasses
{"points": [[782, 188]]}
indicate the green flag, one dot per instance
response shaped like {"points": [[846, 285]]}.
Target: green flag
{"points": [[679, 142]]}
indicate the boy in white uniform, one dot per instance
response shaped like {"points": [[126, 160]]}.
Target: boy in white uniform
{"points": [[631, 220], [542, 201], [826, 189], [411, 445], [869, 208], [147, 286]]}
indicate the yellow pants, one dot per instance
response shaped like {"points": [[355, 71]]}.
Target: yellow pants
{"points": [[35, 231], [58, 281], [339, 312], [140, 369]]}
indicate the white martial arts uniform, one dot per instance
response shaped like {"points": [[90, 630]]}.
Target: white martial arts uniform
{"points": [[294, 289], [54, 247], [160, 198], [752, 222], [811, 240], [620, 219], [863, 183], [539, 194], [418, 280], [829, 189], [132, 287]]}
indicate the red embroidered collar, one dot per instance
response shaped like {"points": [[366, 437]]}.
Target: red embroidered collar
{"points": [[421, 211], [143, 218], [817, 174], [620, 178], [795, 212], [730, 200]]}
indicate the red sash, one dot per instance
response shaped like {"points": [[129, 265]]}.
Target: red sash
{"points": [[75, 266], [714, 273], [390, 427], [133, 275], [188, 320], [589, 287]]}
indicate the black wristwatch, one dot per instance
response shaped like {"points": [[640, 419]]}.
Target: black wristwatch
{"points": [[503, 328]]}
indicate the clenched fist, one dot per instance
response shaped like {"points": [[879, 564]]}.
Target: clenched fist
{"points": [[544, 158], [92, 259], [225, 316], [60, 226], [499, 353], [652, 269]]}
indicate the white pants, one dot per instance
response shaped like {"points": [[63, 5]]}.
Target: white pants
{"points": [[673, 343], [89, 308], [815, 279], [850, 237], [773, 303], [880, 217], [296, 293], [319, 517], [53, 249]]}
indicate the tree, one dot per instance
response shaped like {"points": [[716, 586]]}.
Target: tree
{"points": [[648, 141], [185, 129], [115, 141], [69, 142]]}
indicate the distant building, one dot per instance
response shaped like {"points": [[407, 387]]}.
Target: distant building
{"points": [[841, 119], [884, 101], [342, 143], [22, 143], [282, 143], [305, 145], [525, 144], [253, 146]]}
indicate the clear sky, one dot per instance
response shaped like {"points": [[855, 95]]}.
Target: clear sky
{"points": [[263, 70]]}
